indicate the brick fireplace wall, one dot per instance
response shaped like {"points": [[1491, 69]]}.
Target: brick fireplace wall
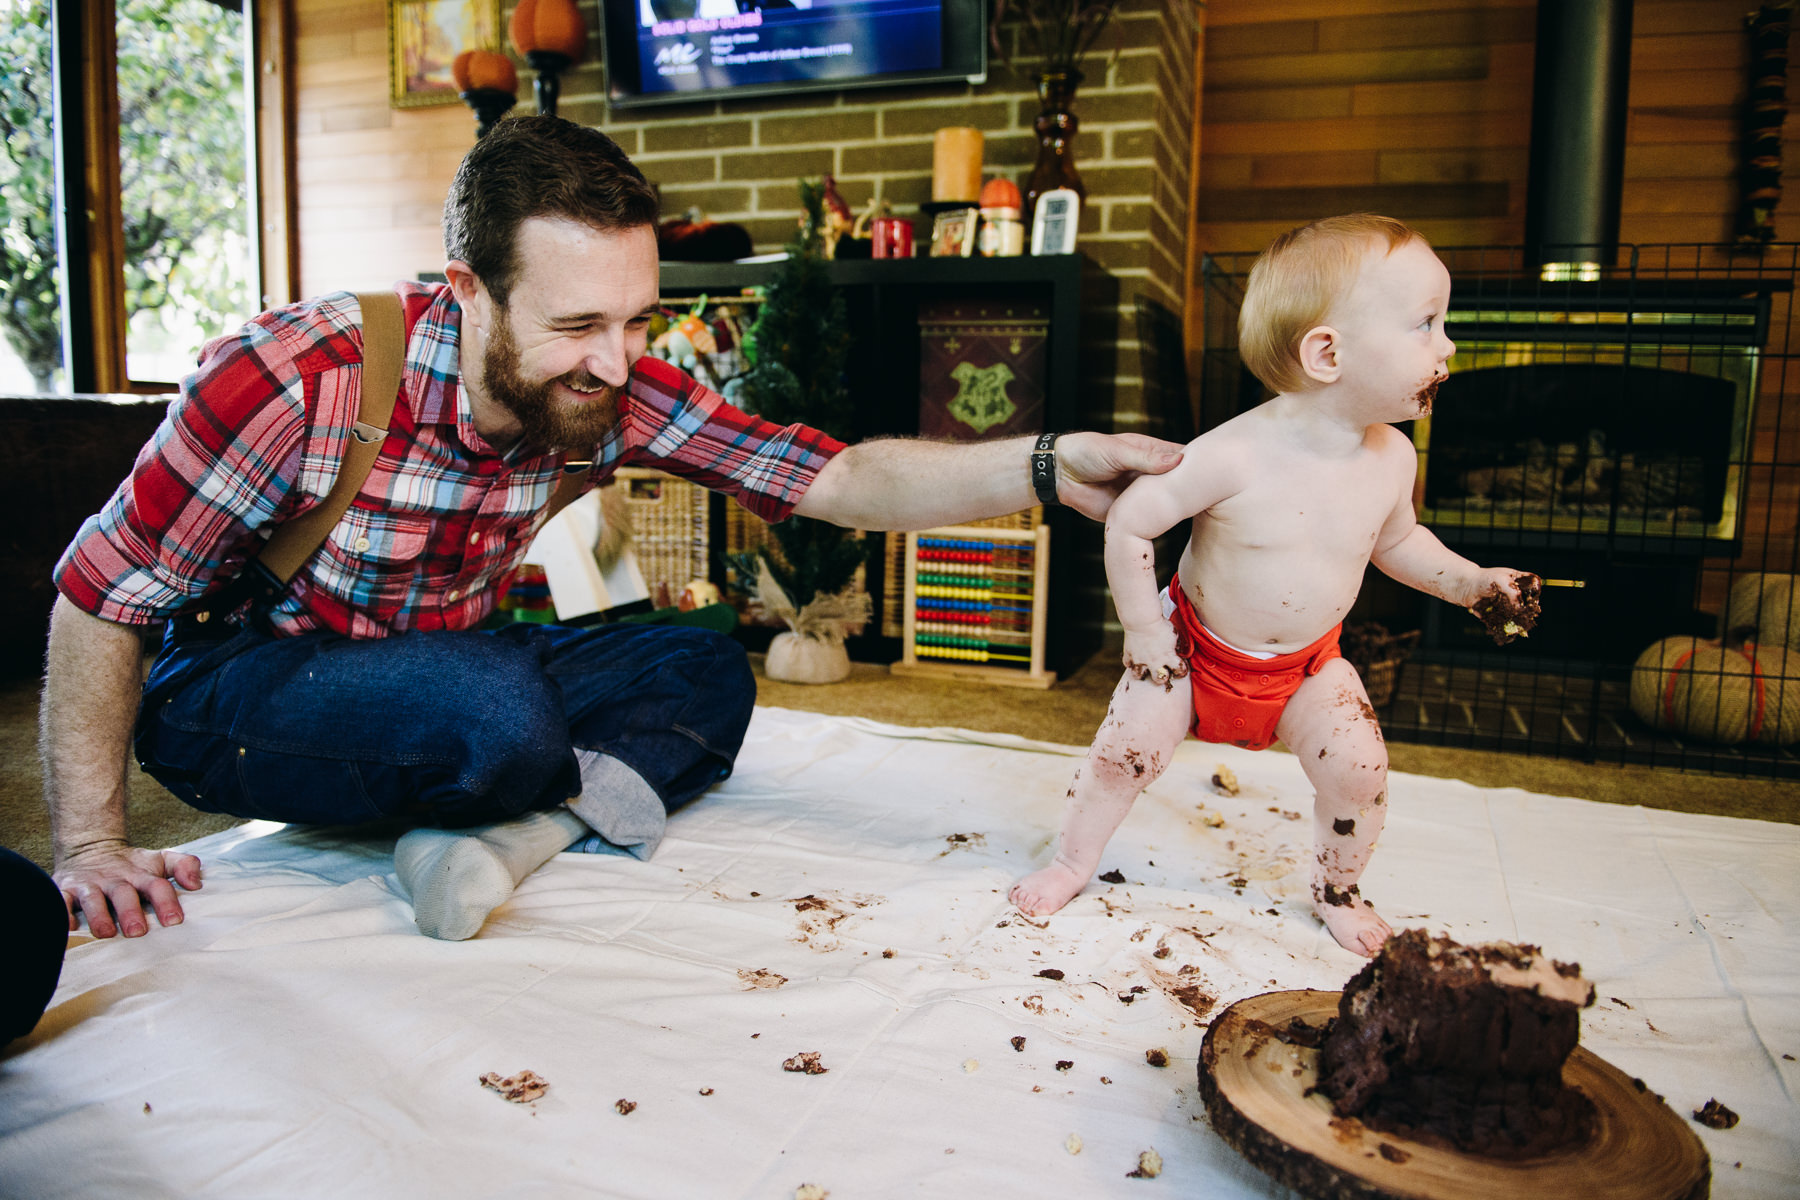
{"points": [[371, 179]]}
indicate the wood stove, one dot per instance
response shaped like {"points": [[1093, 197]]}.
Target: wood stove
{"points": [[1579, 414]]}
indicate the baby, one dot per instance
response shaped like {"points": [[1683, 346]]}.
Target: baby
{"points": [[1290, 501]]}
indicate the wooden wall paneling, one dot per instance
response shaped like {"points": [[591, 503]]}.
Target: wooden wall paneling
{"points": [[1224, 13]]}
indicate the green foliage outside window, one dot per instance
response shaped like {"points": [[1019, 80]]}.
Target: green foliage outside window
{"points": [[183, 170]]}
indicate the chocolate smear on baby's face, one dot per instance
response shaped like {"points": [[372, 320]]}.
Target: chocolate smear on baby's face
{"points": [[1425, 396]]}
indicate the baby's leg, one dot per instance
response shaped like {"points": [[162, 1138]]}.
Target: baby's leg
{"points": [[1143, 725], [1330, 725]]}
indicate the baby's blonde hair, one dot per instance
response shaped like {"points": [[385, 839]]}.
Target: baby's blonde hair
{"points": [[1294, 283]]}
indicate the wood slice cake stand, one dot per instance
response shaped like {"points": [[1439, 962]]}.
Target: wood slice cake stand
{"points": [[1255, 1089]]}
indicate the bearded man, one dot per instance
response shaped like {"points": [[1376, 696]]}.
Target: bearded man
{"points": [[362, 690]]}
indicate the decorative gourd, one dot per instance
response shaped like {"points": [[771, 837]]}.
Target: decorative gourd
{"points": [[553, 25], [1000, 193], [473, 69], [1697, 688], [1763, 609], [1780, 670]]}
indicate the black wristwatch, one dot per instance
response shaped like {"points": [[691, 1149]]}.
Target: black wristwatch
{"points": [[1043, 468]]}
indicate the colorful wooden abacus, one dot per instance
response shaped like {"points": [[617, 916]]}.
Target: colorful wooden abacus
{"points": [[975, 604]]}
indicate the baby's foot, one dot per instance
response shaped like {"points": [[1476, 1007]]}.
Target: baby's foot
{"points": [[1352, 920], [1043, 892]]}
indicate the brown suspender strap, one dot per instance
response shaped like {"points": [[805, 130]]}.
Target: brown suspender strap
{"points": [[568, 488], [384, 352]]}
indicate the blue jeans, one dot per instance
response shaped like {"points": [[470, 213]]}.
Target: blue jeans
{"points": [[436, 728]]}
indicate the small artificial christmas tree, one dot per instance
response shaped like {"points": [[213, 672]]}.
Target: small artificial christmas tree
{"points": [[798, 346]]}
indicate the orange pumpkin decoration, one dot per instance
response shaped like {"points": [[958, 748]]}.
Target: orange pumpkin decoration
{"points": [[489, 69], [554, 25]]}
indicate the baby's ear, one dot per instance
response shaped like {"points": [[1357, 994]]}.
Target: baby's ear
{"points": [[1318, 354]]}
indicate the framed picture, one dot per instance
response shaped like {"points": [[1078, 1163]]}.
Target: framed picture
{"points": [[424, 38], [953, 233], [1053, 224]]}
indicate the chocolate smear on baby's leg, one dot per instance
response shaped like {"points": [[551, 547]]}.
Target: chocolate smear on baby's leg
{"points": [[1343, 827]]}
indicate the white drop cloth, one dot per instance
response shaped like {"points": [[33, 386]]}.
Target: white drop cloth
{"points": [[297, 1037]]}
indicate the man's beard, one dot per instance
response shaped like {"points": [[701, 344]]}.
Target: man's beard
{"points": [[544, 420]]}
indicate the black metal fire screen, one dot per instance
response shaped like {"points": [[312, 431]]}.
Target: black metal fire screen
{"points": [[1634, 440]]}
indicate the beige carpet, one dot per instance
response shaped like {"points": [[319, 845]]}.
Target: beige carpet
{"points": [[1067, 713]]}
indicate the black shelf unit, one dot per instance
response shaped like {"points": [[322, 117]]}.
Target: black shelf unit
{"points": [[882, 299]]}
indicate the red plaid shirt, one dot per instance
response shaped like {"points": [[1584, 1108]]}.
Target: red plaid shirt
{"points": [[258, 434]]}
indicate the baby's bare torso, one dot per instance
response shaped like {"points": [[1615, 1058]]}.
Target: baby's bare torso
{"points": [[1275, 565]]}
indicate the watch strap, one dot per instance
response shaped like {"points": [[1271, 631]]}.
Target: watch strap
{"points": [[1043, 468]]}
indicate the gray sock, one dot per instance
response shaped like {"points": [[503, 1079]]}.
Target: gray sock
{"points": [[456, 877], [618, 804]]}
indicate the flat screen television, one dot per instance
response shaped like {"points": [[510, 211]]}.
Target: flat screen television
{"points": [[676, 51]]}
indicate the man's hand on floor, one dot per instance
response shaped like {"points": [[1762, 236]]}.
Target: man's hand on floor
{"points": [[110, 882]]}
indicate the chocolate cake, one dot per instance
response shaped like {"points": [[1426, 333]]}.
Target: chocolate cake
{"points": [[1506, 619], [1460, 1044]]}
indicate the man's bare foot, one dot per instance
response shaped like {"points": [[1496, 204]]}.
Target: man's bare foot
{"points": [[1043, 892], [1352, 920]]}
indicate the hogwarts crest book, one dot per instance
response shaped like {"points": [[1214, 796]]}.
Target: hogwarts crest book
{"points": [[982, 368]]}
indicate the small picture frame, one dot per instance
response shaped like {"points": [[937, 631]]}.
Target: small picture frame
{"points": [[1053, 222], [424, 38], [953, 233]]}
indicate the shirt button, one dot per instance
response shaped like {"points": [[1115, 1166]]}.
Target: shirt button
{"points": [[362, 543], [451, 594], [474, 539]]}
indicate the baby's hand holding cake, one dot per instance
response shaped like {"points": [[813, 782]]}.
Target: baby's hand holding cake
{"points": [[1506, 617]]}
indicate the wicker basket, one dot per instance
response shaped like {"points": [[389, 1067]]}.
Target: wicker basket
{"points": [[1378, 656]]}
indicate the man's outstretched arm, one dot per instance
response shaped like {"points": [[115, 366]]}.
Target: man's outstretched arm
{"points": [[90, 703], [897, 483]]}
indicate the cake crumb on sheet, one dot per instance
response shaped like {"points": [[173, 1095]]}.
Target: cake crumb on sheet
{"points": [[1714, 1115], [1149, 1166], [806, 1062], [522, 1088], [762, 977]]}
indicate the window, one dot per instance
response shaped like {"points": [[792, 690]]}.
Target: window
{"points": [[153, 164], [184, 175]]}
